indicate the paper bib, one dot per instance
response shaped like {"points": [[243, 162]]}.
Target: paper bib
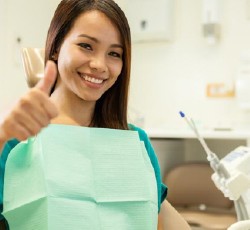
{"points": [[77, 178]]}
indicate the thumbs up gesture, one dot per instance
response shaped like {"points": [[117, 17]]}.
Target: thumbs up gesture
{"points": [[33, 111]]}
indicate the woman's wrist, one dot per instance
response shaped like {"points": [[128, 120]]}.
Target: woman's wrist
{"points": [[2, 139]]}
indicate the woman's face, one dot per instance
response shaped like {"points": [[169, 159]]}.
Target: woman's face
{"points": [[90, 57]]}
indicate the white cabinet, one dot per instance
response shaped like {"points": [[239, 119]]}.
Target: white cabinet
{"points": [[150, 20]]}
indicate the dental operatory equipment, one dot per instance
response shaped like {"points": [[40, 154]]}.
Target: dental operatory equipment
{"points": [[231, 176]]}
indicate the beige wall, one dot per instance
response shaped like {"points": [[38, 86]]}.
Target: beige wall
{"points": [[172, 76], [166, 77], [29, 21]]}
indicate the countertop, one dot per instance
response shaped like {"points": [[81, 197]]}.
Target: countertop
{"points": [[210, 134]]}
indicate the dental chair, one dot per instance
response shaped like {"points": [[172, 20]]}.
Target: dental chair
{"points": [[191, 190], [193, 193], [33, 64]]}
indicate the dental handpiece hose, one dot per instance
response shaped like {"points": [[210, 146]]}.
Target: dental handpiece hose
{"points": [[211, 157], [219, 168]]}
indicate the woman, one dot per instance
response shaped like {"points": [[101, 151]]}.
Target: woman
{"points": [[85, 84]]}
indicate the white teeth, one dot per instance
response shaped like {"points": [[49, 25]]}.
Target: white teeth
{"points": [[91, 79]]}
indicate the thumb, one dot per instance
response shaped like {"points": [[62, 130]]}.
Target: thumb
{"points": [[47, 82]]}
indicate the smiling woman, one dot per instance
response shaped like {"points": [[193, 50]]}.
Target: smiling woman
{"points": [[100, 52], [85, 88], [89, 61]]}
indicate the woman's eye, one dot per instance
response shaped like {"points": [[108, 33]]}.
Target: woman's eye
{"points": [[85, 46], [115, 54]]}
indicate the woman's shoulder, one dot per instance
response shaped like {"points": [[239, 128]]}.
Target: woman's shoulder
{"points": [[162, 189], [142, 134], [9, 145], [144, 137]]}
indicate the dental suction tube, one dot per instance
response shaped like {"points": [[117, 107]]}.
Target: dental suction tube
{"points": [[218, 168]]}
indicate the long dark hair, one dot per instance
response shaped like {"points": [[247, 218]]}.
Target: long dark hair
{"points": [[111, 108]]}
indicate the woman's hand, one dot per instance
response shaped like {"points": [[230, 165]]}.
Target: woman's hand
{"points": [[33, 111]]}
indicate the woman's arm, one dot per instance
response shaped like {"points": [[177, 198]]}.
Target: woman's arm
{"points": [[1, 148], [169, 218], [33, 111]]}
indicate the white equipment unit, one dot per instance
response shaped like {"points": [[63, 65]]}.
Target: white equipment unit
{"points": [[231, 176]]}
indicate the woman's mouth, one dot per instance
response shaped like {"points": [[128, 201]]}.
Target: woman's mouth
{"points": [[91, 79]]}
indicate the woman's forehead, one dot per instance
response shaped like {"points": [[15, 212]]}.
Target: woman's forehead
{"points": [[96, 23]]}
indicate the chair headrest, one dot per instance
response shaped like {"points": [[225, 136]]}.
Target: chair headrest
{"points": [[190, 184], [33, 63]]}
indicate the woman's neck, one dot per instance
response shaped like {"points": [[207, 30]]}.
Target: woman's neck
{"points": [[72, 109]]}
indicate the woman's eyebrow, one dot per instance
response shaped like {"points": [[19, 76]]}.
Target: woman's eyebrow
{"points": [[89, 37], [97, 41]]}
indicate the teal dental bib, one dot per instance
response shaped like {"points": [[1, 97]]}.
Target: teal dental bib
{"points": [[70, 177]]}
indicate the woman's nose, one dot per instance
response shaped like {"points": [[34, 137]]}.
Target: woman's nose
{"points": [[98, 64]]}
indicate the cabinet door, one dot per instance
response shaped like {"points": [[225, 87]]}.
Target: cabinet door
{"points": [[150, 20]]}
